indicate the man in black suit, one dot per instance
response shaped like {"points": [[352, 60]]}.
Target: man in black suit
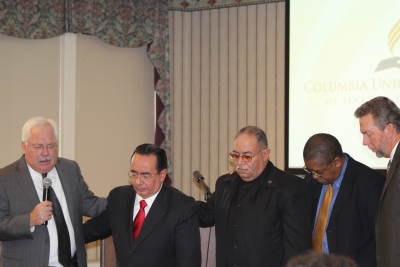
{"points": [[356, 190], [379, 121], [261, 214], [169, 235]]}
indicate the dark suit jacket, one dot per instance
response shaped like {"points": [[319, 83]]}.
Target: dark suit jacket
{"points": [[18, 197], [388, 218], [351, 226], [169, 236], [280, 219]]}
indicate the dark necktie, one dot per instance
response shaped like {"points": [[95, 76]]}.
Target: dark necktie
{"points": [[322, 218], [388, 167], [64, 244], [139, 219]]}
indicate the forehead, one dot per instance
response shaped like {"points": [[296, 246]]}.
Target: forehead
{"points": [[313, 164], [245, 143], [143, 163]]}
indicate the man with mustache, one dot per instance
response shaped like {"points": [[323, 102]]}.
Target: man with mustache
{"points": [[380, 126], [261, 213], [26, 237]]}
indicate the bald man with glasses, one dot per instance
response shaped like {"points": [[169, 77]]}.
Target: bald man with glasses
{"points": [[261, 214], [348, 193]]}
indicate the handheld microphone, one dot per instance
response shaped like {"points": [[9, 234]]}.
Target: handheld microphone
{"points": [[46, 190], [200, 180]]}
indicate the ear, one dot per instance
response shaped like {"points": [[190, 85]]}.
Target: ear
{"points": [[23, 146], [336, 162], [266, 153], [163, 175], [390, 130]]}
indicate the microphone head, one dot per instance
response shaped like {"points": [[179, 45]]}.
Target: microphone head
{"points": [[197, 175], [46, 182]]}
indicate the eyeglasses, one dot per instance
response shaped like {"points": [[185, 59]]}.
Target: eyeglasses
{"points": [[40, 147], [247, 158], [318, 173], [146, 176]]}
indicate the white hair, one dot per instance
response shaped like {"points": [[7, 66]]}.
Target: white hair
{"points": [[37, 121]]}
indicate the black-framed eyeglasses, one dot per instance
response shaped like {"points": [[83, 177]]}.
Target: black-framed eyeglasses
{"points": [[40, 147], [247, 158], [146, 176], [318, 173]]}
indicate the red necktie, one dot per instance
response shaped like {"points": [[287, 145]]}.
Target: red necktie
{"points": [[139, 219]]}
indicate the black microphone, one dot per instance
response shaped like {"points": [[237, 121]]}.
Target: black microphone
{"points": [[46, 190], [200, 180]]}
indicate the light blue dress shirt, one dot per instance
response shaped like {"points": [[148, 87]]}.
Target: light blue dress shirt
{"points": [[335, 189]]}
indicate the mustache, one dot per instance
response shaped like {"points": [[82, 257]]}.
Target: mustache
{"points": [[45, 158], [242, 167]]}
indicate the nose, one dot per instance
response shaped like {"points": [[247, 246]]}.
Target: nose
{"points": [[314, 175], [240, 161], [45, 150], [366, 140], [138, 180]]}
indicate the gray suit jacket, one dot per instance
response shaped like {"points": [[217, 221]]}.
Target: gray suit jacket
{"points": [[169, 236], [18, 197], [388, 218]]}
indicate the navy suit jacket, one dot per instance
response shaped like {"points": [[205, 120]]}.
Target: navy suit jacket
{"points": [[169, 235], [351, 226]]}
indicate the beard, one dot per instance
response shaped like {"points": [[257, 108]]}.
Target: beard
{"points": [[380, 150]]}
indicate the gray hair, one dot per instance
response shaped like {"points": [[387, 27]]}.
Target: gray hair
{"points": [[262, 140], [383, 110], [37, 121]]}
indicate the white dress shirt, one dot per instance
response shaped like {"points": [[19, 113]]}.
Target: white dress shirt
{"points": [[51, 225], [149, 202]]}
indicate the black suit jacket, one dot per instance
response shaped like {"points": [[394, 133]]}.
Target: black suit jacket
{"points": [[350, 229], [388, 218], [279, 219], [169, 236]]}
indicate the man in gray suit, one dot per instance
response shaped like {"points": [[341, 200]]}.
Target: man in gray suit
{"points": [[380, 126], [27, 240], [168, 232]]}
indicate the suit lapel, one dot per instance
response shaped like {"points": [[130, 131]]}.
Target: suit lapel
{"points": [[66, 182], [25, 181], [156, 212], [315, 189], [127, 216], [345, 189], [393, 169]]}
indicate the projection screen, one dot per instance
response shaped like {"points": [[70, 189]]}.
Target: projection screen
{"points": [[339, 54]]}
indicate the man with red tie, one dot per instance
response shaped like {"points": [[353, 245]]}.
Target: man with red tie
{"points": [[152, 224]]}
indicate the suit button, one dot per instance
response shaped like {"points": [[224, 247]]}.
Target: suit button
{"points": [[133, 251], [47, 241], [235, 247], [237, 225]]}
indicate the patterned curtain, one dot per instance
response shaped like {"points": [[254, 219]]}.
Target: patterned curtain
{"points": [[193, 5], [123, 23]]}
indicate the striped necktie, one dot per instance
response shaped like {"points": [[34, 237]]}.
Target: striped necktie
{"points": [[388, 167], [139, 219]]}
